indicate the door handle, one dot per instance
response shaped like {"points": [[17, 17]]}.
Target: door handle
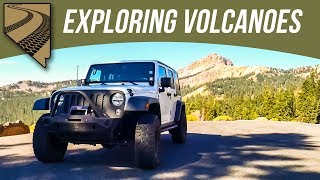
{"points": [[168, 94]]}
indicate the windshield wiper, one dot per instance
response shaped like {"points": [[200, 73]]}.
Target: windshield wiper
{"points": [[102, 83], [129, 82]]}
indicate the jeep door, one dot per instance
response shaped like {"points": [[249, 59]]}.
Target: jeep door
{"points": [[172, 91], [165, 105]]}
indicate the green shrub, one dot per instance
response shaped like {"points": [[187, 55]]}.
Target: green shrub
{"points": [[274, 119], [223, 118], [32, 128], [191, 117]]}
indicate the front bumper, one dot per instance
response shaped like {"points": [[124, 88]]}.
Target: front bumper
{"points": [[82, 129]]}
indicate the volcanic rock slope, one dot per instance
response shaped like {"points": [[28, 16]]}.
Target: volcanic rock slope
{"points": [[213, 67]]}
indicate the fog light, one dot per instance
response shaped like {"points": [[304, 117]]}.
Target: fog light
{"points": [[118, 112]]}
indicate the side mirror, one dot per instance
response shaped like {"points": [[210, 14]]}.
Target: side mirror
{"points": [[165, 82]]}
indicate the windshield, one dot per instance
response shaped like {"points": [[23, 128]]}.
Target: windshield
{"points": [[121, 72]]}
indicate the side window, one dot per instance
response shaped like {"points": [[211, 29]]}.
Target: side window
{"points": [[162, 73], [176, 81], [172, 78]]}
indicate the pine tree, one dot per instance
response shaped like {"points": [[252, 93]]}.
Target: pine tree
{"points": [[284, 105], [307, 102], [266, 103]]}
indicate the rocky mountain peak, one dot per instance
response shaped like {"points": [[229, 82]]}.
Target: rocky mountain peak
{"points": [[203, 64], [216, 59], [213, 67]]}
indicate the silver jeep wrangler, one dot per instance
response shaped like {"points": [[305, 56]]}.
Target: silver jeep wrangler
{"points": [[121, 103]]}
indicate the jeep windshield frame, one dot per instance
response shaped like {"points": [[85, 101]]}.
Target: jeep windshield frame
{"points": [[131, 72]]}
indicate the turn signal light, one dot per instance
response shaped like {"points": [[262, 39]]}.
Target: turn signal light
{"points": [[147, 106]]}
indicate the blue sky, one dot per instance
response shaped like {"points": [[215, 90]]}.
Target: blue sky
{"points": [[63, 62]]}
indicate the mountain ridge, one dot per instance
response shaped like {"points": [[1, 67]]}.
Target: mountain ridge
{"points": [[213, 67], [205, 70]]}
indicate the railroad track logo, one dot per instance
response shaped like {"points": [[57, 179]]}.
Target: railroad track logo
{"points": [[28, 25]]}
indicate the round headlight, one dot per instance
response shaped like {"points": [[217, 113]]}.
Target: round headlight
{"points": [[117, 99]]}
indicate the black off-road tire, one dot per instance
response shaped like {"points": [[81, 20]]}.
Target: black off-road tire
{"points": [[46, 148], [147, 141], [179, 134]]}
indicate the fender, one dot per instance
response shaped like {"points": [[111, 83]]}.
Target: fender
{"points": [[41, 104], [179, 107], [139, 103]]}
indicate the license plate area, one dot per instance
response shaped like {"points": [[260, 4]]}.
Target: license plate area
{"points": [[79, 110]]}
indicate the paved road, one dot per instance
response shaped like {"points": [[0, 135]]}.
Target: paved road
{"points": [[230, 150]]}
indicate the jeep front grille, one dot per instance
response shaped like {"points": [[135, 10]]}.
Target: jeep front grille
{"points": [[101, 100]]}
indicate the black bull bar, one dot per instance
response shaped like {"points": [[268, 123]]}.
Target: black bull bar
{"points": [[98, 112]]}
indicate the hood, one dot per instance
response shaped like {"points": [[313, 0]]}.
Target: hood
{"points": [[136, 89]]}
